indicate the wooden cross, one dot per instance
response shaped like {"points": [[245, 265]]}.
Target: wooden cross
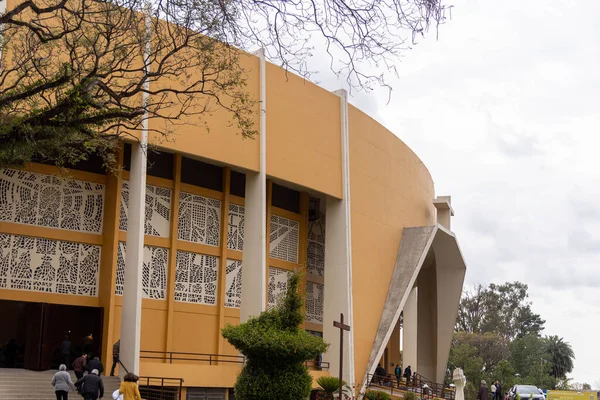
{"points": [[342, 327]]}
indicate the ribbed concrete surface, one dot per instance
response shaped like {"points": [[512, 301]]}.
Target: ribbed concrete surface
{"points": [[20, 384]]}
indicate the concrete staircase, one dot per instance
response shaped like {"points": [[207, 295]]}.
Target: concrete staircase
{"points": [[21, 384]]}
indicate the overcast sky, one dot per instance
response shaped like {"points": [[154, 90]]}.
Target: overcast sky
{"points": [[503, 110]]}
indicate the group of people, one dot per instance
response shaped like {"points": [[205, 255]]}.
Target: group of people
{"points": [[490, 393], [89, 382], [91, 387], [81, 364], [382, 377]]}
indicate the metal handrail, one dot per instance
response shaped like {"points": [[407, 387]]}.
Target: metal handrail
{"points": [[184, 356], [170, 383], [124, 367], [317, 365], [391, 383], [211, 359]]}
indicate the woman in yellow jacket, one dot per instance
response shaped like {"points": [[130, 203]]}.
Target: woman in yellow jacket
{"points": [[129, 387]]}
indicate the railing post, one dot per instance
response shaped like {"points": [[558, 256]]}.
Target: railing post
{"points": [[171, 357]]}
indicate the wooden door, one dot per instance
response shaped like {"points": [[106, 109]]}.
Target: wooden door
{"points": [[76, 322], [33, 335]]}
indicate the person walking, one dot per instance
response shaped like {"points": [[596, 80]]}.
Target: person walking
{"points": [[398, 373], [484, 392], [116, 351], [62, 383], [498, 391], [91, 386], [493, 391], [407, 374], [95, 364], [129, 387], [88, 345], [79, 365], [65, 351]]}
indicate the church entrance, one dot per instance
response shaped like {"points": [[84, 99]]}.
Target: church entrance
{"points": [[32, 333]]}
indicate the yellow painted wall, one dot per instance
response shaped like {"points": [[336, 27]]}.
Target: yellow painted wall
{"points": [[222, 141], [303, 132], [194, 375], [390, 189], [228, 348], [196, 333]]}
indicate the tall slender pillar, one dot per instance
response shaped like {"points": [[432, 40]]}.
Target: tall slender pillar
{"points": [[427, 323], [131, 317], [254, 258], [409, 331], [338, 263]]}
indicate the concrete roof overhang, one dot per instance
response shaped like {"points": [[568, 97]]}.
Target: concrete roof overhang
{"points": [[416, 244]]}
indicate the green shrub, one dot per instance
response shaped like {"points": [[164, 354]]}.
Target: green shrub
{"points": [[275, 349], [377, 395], [410, 396], [329, 384]]}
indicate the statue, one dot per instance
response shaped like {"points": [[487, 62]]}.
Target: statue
{"points": [[458, 377]]}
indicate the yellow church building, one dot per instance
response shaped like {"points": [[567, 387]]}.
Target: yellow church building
{"points": [[205, 231]]}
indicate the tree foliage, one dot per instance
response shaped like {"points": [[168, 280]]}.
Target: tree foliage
{"points": [[502, 309], [561, 356], [275, 349], [77, 74], [498, 337]]}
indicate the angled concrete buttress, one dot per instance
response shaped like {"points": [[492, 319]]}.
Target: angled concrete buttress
{"points": [[419, 244]]}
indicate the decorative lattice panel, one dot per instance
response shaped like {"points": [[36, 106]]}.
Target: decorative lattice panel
{"points": [[199, 219], [235, 234], [233, 282], [284, 239], [314, 302], [278, 284], [196, 278], [154, 271], [157, 216], [51, 201], [51, 266], [316, 247]]}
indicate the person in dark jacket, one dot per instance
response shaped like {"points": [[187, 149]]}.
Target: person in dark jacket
{"points": [[498, 391], [407, 374], [91, 386], [79, 365], [95, 364], [116, 351], [65, 351], [380, 374], [484, 392], [398, 373]]}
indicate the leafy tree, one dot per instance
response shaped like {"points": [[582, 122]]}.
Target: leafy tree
{"points": [[78, 74], [501, 309], [526, 353], [491, 347], [561, 356], [275, 349], [466, 356]]}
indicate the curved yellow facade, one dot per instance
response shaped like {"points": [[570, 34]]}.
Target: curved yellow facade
{"points": [[314, 148]]}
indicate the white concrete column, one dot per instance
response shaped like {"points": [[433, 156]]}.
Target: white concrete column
{"points": [[338, 264], [254, 258], [131, 316], [427, 323], [409, 331]]}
